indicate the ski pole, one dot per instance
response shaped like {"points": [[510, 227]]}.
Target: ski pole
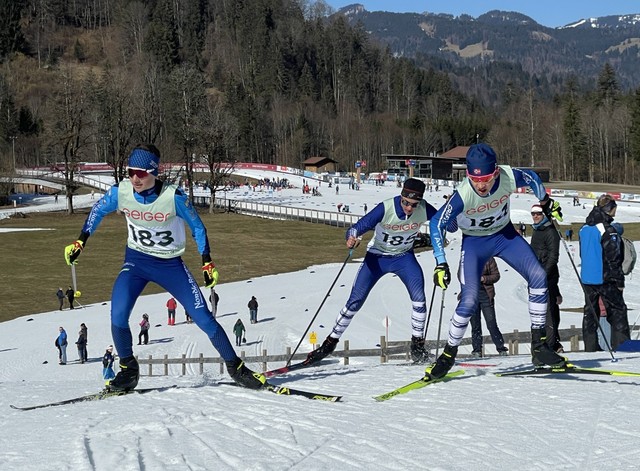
{"points": [[426, 325], [214, 306], [320, 307], [73, 277], [440, 322], [575, 269]]}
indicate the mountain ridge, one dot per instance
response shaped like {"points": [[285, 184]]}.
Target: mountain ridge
{"points": [[580, 48]]}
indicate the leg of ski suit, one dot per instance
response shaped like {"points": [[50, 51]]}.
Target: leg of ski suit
{"points": [[374, 267], [515, 251], [172, 275]]}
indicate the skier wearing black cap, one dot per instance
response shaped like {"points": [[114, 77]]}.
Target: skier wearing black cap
{"points": [[481, 206], [396, 223]]}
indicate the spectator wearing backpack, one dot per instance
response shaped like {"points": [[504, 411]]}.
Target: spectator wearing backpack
{"points": [[601, 253], [629, 255]]}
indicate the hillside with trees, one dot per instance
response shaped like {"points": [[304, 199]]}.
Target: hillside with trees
{"points": [[278, 81]]}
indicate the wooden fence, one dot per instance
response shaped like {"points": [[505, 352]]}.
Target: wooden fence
{"points": [[388, 351]]}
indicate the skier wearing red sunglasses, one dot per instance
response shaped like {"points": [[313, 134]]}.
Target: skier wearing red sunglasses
{"points": [[156, 213], [481, 207]]}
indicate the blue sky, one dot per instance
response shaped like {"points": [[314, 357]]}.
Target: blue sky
{"points": [[550, 13]]}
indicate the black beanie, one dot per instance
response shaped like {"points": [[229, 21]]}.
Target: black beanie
{"points": [[413, 188]]}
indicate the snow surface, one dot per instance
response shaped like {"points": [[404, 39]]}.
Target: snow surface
{"points": [[478, 421]]}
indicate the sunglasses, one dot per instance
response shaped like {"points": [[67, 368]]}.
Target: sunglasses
{"points": [[138, 173], [536, 214], [409, 203], [482, 178]]}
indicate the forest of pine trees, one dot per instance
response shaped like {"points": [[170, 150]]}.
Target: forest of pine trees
{"points": [[272, 81]]}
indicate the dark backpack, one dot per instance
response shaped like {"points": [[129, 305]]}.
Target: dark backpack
{"points": [[629, 256]]}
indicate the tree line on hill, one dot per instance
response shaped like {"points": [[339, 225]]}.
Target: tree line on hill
{"points": [[272, 81]]}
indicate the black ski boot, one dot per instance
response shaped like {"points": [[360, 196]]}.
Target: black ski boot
{"points": [[541, 353], [444, 362], [327, 348], [244, 376], [127, 377], [419, 354]]}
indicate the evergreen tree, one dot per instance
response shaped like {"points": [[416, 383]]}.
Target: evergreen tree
{"points": [[634, 126], [161, 40], [573, 134], [11, 37]]}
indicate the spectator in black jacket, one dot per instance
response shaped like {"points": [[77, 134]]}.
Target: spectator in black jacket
{"points": [[70, 293], [545, 242], [60, 295], [82, 344], [253, 310]]}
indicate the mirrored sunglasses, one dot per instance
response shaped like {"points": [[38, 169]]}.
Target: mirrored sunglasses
{"points": [[482, 178], [138, 173], [408, 203]]}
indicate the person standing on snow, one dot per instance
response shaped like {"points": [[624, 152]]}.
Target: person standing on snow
{"points": [[107, 365], [61, 343], [601, 254], [486, 304], [481, 207], [239, 330], [396, 223], [81, 344], [545, 242], [143, 336], [253, 310], [171, 311], [156, 213]]}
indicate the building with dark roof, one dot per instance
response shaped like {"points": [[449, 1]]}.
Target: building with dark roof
{"points": [[320, 165]]}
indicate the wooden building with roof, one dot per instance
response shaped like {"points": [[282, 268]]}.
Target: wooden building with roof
{"points": [[320, 165]]}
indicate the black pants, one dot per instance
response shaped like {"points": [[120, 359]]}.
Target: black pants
{"points": [[553, 316], [485, 304], [144, 334], [616, 315]]}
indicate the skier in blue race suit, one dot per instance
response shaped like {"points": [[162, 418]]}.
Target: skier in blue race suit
{"points": [[396, 223], [156, 213], [481, 207]]}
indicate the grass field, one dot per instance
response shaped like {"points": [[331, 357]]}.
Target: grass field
{"points": [[242, 247]]}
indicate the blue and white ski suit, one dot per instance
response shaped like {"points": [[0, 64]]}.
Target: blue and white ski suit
{"points": [[488, 232], [389, 251], [156, 240]]}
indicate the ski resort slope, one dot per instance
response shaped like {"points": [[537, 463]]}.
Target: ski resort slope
{"points": [[474, 422]]}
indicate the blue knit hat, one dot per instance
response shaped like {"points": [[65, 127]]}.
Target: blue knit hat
{"points": [[142, 159], [481, 160]]}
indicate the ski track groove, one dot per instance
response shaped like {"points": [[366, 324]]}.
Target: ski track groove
{"points": [[173, 421]]}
